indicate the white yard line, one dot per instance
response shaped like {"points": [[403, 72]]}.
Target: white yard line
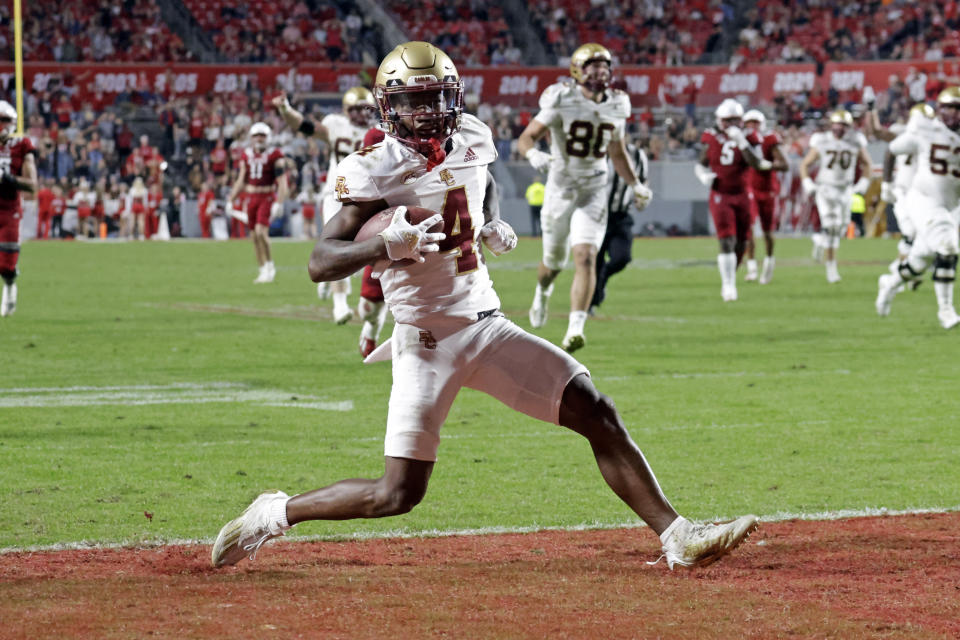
{"points": [[438, 533]]}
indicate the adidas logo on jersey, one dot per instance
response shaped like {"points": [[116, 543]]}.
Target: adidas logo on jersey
{"points": [[470, 155]]}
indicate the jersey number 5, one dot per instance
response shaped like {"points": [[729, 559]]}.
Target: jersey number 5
{"points": [[581, 142], [458, 225]]}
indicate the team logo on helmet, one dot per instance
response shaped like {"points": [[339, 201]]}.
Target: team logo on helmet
{"points": [[420, 94], [584, 55]]}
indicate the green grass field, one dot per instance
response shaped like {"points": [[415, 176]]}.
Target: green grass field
{"points": [[157, 378]]}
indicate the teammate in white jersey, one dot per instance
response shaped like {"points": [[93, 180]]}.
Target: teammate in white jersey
{"points": [[449, 333], [585, 120], [934, 200], [838, 151], [343, 133], [898, 173]]}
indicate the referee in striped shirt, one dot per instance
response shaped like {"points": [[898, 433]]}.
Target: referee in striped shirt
{"points": [[614, 254]]}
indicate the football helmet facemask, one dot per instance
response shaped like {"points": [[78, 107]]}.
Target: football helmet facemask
{"points": [[359, 106], [729, 114], [260, 129], [596, 78], [420, 95], [948, 107], [8, 120], [840, 121]]}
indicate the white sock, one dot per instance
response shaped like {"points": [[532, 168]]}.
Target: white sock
{"points": [[542, 293], [340, 303], [369, 331], [727, 264], [278, 514], [751, 266], [577, 320], [769, 262], [673, 527], [944, 291]]}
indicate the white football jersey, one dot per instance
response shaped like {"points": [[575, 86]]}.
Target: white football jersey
{"points": [[581, 129], [935, 147], [838, 156], [345, 138], [905, 165], [453, 283]]}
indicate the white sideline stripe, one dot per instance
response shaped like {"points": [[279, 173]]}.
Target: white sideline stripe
{"points": [[730, 374], [176, 393], [780, 516]]}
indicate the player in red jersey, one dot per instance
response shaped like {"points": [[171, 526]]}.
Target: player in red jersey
{"points": [[44, 209], [723, 165], [262, 177], [18, 172], [763, 189], [204, 199]]}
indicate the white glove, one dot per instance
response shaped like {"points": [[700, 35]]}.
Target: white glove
{"points": [[736, 135], [276, 211], [405, 241], [887, 193], [641, 195], [809, 186], [539, 160], [764, 165], [704, 175], [862, 185], [499, 237]]}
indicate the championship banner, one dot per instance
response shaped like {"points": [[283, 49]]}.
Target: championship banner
{"points": [[514, 86]]}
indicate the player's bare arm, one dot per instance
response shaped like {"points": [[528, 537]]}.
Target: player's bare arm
{"points": [[779, 160], [238, 183], [491, 200], [872, 128], [28, 180], [283, 185], [530, 136], [335, 255], [889, 164], [808, 161], [297, 121], [866, 165], [622, 163]]}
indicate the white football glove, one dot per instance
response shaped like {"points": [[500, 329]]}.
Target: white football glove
{"points": [[499, 237], [406, 241], [887, 194], [736, 134], [704, 175], [276, 211], [809, 186], [641, 195], [764, 165], [539, 160]]}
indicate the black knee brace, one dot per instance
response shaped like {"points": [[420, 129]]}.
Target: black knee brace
{"points": [[944, 268], [907, 272]]}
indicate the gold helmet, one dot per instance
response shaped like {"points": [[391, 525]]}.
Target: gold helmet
{"points": [[841, 116], [948, 107], [359, 105], [584, 55], [922, 109], [419, 81]]}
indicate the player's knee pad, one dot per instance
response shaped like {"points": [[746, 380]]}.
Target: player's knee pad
{"points": [[555, 254], [944, 268], [909, 272]]}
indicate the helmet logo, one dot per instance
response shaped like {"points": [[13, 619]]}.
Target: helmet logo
{"points": [[421, 79]]}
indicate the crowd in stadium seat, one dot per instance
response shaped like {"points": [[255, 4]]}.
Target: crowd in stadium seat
{"points": [[95, 31], [635, 31], [781, 31], [471, 33]]}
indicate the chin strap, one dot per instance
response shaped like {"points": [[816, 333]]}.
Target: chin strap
{"points": [[433, 150]]}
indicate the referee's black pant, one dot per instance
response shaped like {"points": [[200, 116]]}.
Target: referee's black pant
{"points": [[614, 254]]}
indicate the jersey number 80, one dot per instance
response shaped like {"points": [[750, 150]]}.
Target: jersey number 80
{"points": [[585, 139]]}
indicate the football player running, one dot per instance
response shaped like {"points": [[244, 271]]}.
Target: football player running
{"points": [[898, 174], [933, 200], [18, 172], [343, 133], [262, 179], [838, 152], [763, 188], [724, 161], [586, 121], [449, 333]]}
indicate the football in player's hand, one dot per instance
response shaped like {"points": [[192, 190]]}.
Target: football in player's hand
{"points": [[380, 221]]}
